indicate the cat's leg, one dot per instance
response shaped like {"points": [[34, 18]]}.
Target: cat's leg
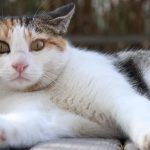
{"points": [[130, 110], [134, 119], [24, 129]]}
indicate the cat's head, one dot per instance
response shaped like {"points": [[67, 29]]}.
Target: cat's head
{"points": [[32, 48]]}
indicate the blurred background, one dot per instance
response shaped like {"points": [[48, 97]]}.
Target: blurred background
{"points": [[104, 25]]}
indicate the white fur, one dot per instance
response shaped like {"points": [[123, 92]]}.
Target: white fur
{"points": [[30, 118], [85, 83], [92, 85], [27, 119]]}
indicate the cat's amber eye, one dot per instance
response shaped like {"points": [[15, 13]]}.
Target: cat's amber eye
{"points": [[37, 45], [4, 47]]}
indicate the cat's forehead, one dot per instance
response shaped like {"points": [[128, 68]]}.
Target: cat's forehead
{"points": [[12, 21], [19, 25], [27, 22], [10, 25], [40, 25]]}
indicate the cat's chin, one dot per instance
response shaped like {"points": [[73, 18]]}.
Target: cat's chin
{"points": [[20, 84]]}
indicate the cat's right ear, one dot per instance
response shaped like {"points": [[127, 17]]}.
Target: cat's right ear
{"points": [[56, 21]]}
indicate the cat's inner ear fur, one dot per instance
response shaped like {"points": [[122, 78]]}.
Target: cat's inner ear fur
{"points": [[57, 21]]}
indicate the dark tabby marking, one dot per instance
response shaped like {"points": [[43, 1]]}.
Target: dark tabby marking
{"points": [[131, 70], [27, 20]]}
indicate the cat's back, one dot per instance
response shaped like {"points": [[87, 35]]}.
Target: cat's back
{"points": [[135, 65], [139, 57]]}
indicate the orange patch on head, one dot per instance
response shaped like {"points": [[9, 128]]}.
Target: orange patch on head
{"points": [[9, 23], [3, 31], [57, 41], [6, 27]]}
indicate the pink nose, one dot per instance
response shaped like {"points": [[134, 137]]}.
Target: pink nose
{"points": [[20, 67]]}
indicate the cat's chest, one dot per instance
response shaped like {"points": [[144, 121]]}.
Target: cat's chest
{"points": [[17, 101]]}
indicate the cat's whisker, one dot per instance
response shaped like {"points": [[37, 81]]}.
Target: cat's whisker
{"points": [[2, 12], [47, 78], [59, 86], [43, 12], [43, 2]]}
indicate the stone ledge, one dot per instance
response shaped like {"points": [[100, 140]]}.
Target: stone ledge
{"points": [[80, 144], [130, 146], [83, 144]]}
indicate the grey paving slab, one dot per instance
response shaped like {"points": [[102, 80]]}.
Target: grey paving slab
{"points": [[80, 144], [130, 146]]}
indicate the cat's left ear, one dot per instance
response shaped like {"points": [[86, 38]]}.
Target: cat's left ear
{"points": [[58, 20], [62, 17]]}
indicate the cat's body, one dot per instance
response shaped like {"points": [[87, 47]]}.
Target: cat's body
{"points": [[49, 89]]}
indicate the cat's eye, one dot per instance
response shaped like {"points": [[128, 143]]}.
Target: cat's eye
{"points": [[4, 47], [37, 45]]}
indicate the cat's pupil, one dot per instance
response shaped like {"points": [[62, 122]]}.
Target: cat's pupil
{"points": [[4, 48], [39, 45]]}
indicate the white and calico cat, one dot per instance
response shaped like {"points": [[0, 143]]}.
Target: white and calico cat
{"points": [[50, 89]]}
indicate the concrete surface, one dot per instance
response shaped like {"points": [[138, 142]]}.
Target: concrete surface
{"points": [[80, 144], [83, 144]]}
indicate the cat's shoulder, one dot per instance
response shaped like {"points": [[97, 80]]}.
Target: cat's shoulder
{"points": [[137, 55]]}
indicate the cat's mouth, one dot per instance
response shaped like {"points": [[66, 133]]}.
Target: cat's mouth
{"points": [[20, 79]]}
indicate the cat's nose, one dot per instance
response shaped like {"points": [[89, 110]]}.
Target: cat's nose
{"points": [[20, 67]]}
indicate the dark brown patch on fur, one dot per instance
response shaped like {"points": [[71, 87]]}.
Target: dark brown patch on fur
{"points": [[35, 87], [27, 21]]}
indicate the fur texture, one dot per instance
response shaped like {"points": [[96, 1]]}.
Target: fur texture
{"points": [[50, 89]]}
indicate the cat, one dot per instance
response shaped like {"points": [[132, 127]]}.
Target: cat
{"points": [[30, 47], [50, 89]]}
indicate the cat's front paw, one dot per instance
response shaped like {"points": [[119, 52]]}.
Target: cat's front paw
{"points": [[7, 132], [144, 142], [2, 137], [142, 137]]}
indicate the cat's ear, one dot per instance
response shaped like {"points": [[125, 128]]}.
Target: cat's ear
{"points": [[57, 20], [62, 17]]}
